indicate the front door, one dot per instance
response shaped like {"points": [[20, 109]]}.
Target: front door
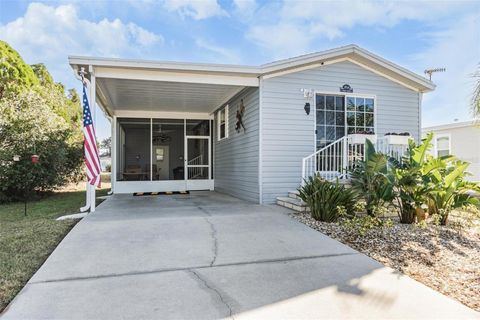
{"points": [[198, 162]]}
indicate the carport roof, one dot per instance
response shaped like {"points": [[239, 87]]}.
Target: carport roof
{"points": [[124, 84]]}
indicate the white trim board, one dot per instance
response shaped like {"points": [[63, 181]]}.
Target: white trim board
{"points": [[182, 77], [162, 115]]}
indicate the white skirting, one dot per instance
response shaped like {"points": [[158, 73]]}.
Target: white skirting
{"points": [[162, 186]]}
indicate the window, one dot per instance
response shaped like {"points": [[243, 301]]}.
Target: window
{"points": [[160, 153], [222, 123], [330, 118], [360, 115], [442, 146]]}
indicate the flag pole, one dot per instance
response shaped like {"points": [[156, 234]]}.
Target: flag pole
{"points": [[93, 104], [80, 75]]}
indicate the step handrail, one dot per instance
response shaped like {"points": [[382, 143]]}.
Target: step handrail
{"points": [[336, 163]]}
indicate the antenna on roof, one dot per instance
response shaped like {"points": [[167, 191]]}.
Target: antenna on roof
{"points": [[430, 71]]}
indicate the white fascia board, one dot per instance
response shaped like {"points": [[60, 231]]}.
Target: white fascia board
{"points": [[449, 126], [163, 114], [184, 77], [163, 65]]}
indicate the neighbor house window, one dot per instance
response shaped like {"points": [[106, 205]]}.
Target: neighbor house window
{"points": [[442, 146], [222, 121]]}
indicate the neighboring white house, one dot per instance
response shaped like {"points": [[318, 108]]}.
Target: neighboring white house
{"points": [[176, 126], [461, 139]]}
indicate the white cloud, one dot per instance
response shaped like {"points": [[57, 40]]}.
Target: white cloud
{"points": [[197, 9], [245, 7], [304, 22], [457, 49], [49, 34], [220, 52]]}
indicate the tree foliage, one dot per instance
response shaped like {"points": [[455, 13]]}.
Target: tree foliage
{"points": [[36, 117]]}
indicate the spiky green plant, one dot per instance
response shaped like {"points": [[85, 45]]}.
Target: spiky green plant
{"points": [[325, 198]]}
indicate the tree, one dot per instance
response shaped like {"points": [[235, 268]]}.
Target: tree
{"points": [[15, 75], [36, 117], [476, 94], [105, 147]]}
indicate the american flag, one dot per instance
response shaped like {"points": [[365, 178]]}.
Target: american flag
{"points": [[92, 161]]}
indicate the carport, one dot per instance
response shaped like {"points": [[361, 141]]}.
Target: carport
{"points": [[161, 116]]}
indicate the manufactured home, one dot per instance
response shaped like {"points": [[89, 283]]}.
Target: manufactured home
{"points": [[461, 139], [253, 132]]}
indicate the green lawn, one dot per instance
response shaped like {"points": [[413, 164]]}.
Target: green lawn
{"points": [[27, 241]]}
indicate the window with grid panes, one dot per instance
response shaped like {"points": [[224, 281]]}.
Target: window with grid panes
{"points": [[330, 118]]}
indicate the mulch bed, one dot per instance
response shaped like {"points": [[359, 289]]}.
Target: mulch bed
{"points": [[445, 258]]}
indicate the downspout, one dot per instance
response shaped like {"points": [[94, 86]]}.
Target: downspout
{"points": [[260, 140], [420, 98]]}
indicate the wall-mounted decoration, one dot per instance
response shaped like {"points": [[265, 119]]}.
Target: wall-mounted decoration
{"points": [[307, 108], [346, 88], [240, 112]]}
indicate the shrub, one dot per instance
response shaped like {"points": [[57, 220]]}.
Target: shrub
{"points": [[370, 178], [326, 199], [27, 127]]}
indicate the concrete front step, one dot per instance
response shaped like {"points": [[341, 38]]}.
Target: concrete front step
{"points": [[294, 204], [294, 194]]}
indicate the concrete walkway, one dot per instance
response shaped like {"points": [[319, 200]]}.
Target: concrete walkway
{"points": [[208, 256]]}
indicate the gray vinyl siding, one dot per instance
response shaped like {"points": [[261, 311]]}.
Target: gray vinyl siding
{"points": [[236, 158], [288, 133]]}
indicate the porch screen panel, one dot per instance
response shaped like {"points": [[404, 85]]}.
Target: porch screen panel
{"points": [[198, 158], [198, 127], [168, 149], [133, 163]]}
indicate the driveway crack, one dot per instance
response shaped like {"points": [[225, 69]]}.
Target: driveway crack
{"points": [[205, 283], [213, 235]]}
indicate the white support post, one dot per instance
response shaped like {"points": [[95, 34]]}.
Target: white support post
{"points": [[345, 156], [113, 155], [93, 104]]}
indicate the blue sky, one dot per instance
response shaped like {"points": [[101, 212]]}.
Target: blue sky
{"points": [[414, 34]]}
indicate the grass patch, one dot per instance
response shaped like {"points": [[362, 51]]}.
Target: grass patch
{"points": [[27, 241]]}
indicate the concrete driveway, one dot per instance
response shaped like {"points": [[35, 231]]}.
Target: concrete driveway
{"points": [[208, 255]]}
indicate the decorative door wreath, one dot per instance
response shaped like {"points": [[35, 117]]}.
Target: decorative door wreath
{"points": [[240, 112]]}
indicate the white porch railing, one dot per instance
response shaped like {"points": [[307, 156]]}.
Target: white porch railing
{"points": [[331, 161], [338, 158], [194, 172]]}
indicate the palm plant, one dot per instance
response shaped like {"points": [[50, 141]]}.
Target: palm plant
{"points": [[370, 178], [411, 180], [451, 190]]}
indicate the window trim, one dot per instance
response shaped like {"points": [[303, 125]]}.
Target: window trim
{"points": [[225, 109], [442, 135]]}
